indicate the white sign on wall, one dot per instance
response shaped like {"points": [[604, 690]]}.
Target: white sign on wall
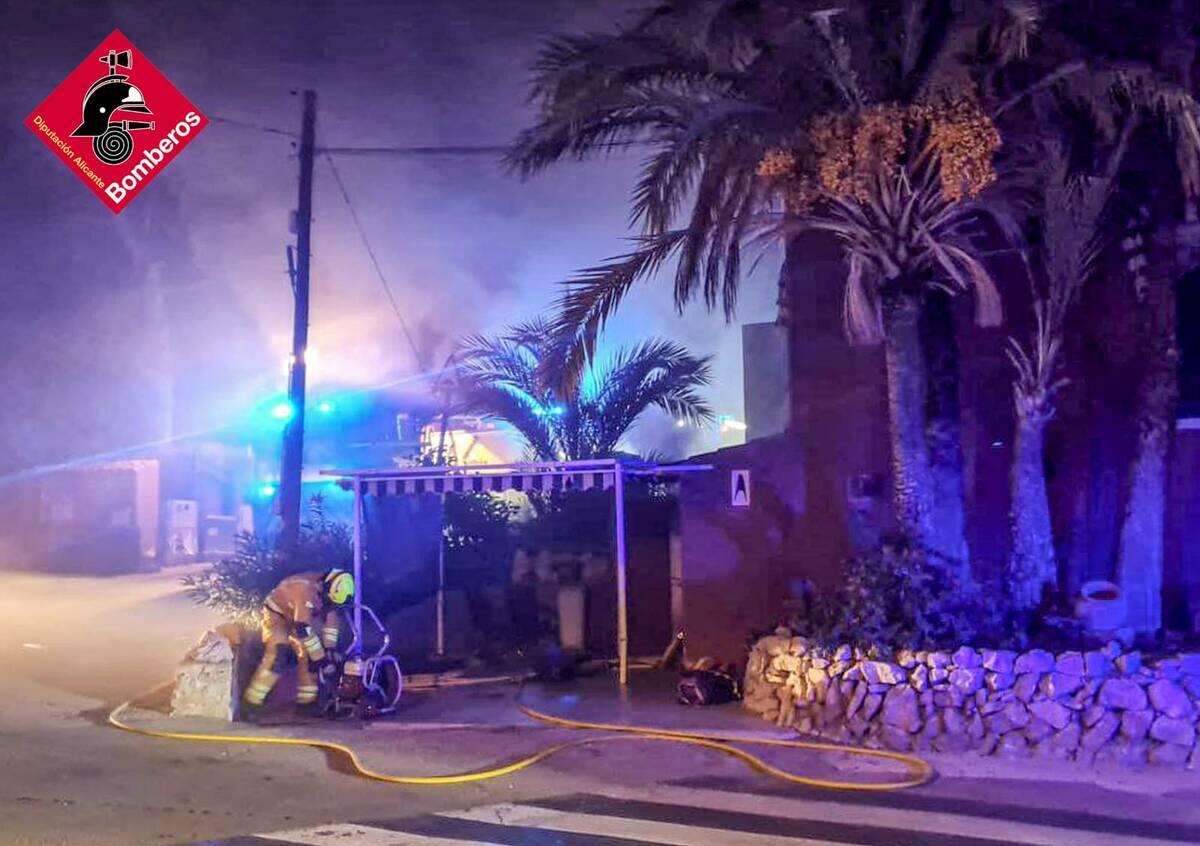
{"points": [[739, 488]]}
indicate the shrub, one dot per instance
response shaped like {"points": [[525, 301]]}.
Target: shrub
{"points": [[905, 596], [236, 586]]}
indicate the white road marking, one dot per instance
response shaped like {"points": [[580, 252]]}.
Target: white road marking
{"points": [[633, 829], [349, 834], [932, 822]]}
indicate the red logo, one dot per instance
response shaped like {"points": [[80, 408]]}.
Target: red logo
{"points": [[116, 121]]}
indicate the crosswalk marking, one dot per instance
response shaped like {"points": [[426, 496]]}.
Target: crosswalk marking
{"points": [[350, 834], [1007, 831], [677, 815], [669, 834]]}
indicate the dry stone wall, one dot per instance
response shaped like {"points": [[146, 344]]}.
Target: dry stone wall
{"points": [[1092, 707]]}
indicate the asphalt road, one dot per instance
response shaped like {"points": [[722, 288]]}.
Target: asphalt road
{"points": [[71, 648]]}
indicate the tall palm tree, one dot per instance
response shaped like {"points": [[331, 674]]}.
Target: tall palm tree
{"points": [[1070, 209], [504, 377], [868, 129]]}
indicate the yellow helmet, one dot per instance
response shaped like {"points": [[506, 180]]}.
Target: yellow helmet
{"points": [[339, 586]]}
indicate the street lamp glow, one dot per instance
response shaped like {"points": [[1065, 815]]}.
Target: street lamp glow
{"points": [[325, 406], [267, 490], [283, 411]]}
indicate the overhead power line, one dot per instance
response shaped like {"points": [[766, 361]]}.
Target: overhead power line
{"points": [[387, 288], [257, 127]]}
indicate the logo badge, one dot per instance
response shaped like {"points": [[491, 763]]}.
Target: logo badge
{"points": [[116, 121]]}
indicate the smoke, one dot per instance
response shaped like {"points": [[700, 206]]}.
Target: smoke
{"points": [[176, 316]]}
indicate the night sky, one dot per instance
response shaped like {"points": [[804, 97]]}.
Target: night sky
{"points": [[175, 316]]}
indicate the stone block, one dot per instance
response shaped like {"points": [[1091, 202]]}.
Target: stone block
{"points": [[999, 661], [1026, 686], [1070, 663], [1059, 685], [1170, 699], [1168, 755], [966, 658], [843, 654], [967, 679], [870, 706], [895, 739], [206, 683], [882, 672], [1000, 681], [1189, 663], [1136, 724], [1097, 665], [919, 677], [938, 660], [1129, 663], [1101, 732], [1034, 661], [1013, 745], [1092, 715], [1170, 730], [1058, 716], [1125, 694], [1038, 731], [900, 709]]}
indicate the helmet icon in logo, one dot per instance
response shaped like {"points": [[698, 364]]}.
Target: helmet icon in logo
{"points": [[111, 140]]}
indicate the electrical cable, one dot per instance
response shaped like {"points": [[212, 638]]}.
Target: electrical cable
{"points": [[247, 125], [387, 289], [919, 771]]}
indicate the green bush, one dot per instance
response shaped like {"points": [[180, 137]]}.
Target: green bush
{"points": [[905, 596], [236, 586]]}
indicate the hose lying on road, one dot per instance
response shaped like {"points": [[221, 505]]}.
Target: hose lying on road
{"points": [[919, 771]]}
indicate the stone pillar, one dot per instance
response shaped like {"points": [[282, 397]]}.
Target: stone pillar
{"points": [[206, 684]]}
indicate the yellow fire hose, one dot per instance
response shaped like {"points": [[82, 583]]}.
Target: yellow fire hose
{"points": [[919, 771]]}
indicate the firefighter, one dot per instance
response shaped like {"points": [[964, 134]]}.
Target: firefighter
{"points": [[291, 614]]}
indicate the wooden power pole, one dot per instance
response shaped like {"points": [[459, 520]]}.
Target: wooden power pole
{"points": [[293, 434]]}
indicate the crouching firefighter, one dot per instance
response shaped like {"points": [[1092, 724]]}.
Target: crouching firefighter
{"points": [[302, 610]]}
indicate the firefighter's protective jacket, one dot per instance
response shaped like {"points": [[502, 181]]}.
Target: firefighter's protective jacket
{"points": [[299, 600]]}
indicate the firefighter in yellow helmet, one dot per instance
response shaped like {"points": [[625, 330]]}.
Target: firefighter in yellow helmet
{"points": [[302, 610]]}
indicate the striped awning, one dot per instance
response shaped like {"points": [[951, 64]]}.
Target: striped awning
{"points": [[489, 483]]}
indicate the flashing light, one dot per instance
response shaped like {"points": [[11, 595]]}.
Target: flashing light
{"points": [[283, 411], [267, 490], [558, 411], [680, 423], [538, 411], [325, 407]]}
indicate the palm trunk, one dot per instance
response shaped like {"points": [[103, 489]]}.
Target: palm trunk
{"points": [[912, 480], [1140, 548], [1032, 563], [943, 431]]}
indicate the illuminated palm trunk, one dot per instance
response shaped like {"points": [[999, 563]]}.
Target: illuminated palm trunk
{"points": [[912, 479], [1140, 548], [1032, 563], [943, 431]]}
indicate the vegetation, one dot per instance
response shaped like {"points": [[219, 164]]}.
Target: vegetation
{"points": [[902, 596], [505, 377], [236, 586], [902, 130]]}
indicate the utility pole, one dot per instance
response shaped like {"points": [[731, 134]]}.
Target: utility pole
{"points": [[293, 433]]}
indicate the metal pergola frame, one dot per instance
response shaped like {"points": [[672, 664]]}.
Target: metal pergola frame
{"points": [[561, 475]]}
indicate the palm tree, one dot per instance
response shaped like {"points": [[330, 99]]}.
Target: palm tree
{"points": [[765, 118], [1132, 104], [503, 377], [1071, 206]]}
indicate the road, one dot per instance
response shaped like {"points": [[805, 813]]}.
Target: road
{"points": [[71, 648]]}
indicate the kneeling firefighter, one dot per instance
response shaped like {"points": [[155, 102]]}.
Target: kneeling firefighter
{"points": [[290, 614]]}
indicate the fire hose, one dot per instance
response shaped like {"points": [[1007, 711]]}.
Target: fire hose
{"points": [[918, 771]]}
